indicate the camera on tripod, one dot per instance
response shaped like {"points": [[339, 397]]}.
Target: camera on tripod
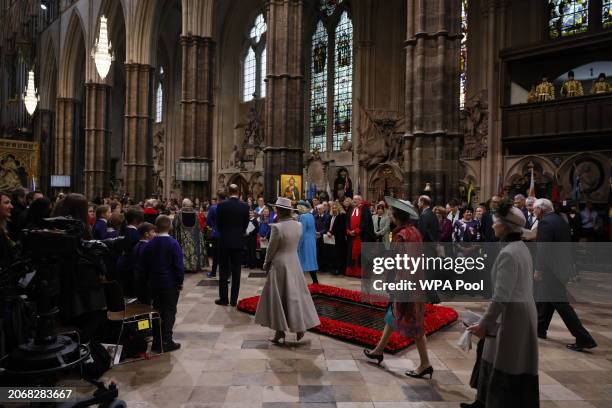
{"points": [[59, 272]]}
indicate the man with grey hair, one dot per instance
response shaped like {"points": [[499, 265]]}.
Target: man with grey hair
{"points": [[554, 266]]}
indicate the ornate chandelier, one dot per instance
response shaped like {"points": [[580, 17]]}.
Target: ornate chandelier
{"points": [[101, 52], [30, 96]]}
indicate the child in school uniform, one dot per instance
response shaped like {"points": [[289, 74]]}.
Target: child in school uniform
{"points": [[163, 259], [100, 229], [125, 265], [146, 232]]}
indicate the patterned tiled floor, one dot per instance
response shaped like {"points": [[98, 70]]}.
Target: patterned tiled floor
{"points": [[226, 361]]}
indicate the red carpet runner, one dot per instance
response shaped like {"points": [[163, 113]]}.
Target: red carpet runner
{"points": [[370, 317]]}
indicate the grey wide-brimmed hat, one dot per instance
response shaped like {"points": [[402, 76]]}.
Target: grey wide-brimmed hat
{"points": [[283, 202], [403, 205], [512, 217]]}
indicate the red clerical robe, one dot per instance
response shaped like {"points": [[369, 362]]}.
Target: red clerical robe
{"points": [[354, 266]]}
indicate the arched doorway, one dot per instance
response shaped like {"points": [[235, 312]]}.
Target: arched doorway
{"points": [[386, 180], [242, 184]]}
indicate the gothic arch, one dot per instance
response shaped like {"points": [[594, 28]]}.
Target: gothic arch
{"points": [[48, 76], [548, 167], [242, 183], [140, 47], [73, 57], [385, 179], [115, 13]]}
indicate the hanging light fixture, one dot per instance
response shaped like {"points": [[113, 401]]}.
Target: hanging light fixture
{"points": [[30, 96], [101, 52]]}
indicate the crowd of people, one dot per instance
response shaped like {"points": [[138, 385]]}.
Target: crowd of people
{"points": [[287, 239]]}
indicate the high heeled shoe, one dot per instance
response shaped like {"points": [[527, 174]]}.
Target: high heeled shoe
{"points": [[280, 335], [299, 335], [378, 357], [414, 374]]}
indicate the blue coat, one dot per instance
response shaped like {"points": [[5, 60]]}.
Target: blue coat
{"points": [[307, 250], [100, 229]]}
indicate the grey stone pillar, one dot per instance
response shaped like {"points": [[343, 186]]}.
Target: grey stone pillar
{"points": [[284, 96], [97, 141], [432, 97]]}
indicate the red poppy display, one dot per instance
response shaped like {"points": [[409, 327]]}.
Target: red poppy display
{"points": [[436, 317]]}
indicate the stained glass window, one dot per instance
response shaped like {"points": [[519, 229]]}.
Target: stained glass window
{"points": [[329, 6], [259, 28], [607, 13], [250, 73], [463, 54], [254, 67], [262, 71], [331, 78], [318, 89], [343, 81], [568, 17], [159, 103]]}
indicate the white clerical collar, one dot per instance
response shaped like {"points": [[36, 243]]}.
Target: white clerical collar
{"points": [[132, 227], [163, 234], [104, 219]]}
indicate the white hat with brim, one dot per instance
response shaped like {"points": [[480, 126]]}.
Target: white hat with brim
{"points": [[283, 202], [403, 205]]}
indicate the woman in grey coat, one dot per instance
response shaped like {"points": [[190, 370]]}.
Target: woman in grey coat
{"points": [[382, 225], [508, 374], [285, 303]]}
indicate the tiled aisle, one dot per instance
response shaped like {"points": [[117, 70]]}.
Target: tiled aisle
{"points": [[226, 361]]}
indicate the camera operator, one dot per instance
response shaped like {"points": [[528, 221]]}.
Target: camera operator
{"points": [[6, 244]]}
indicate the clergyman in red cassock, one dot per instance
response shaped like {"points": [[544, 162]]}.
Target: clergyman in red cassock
{"points": [[359, 229]]}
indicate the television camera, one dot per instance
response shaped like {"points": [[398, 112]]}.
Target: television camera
{"points": [[54, 261]]}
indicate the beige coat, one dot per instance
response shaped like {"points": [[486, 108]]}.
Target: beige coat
{"points": [[285, 303]]}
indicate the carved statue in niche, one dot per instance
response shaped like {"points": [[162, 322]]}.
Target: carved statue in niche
{"points": [[343, 186], [158, 161], [380, 140], [253, 138], [346, 145], [475, 121], [256, 185], [316, 170], [221, 181], [236, 158]]}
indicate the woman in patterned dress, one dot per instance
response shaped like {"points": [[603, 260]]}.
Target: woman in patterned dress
{"points": [[188, 233], [405, 317]]}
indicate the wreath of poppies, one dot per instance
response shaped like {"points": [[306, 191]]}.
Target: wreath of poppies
{"points": [[436, 317]]}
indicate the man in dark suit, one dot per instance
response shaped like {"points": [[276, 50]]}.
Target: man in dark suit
{"points": [[232, 222], [554, 266], [428, 224]]}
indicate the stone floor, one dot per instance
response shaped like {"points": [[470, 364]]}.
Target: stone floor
{"points": [[226, 361]]}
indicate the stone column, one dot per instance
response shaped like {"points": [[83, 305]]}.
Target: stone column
{"points": [[284, 95], [97, 137], [432, 97], [196, 107], [45, 137], [65, 129], [138, 149]]}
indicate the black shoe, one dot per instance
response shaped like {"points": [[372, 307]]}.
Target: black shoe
{"points": [[415, 374], [475, 404], [581, 347], [211, 275], [171, 346], [378, 357], [542, 336], [233, 304], [221, 303]]}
